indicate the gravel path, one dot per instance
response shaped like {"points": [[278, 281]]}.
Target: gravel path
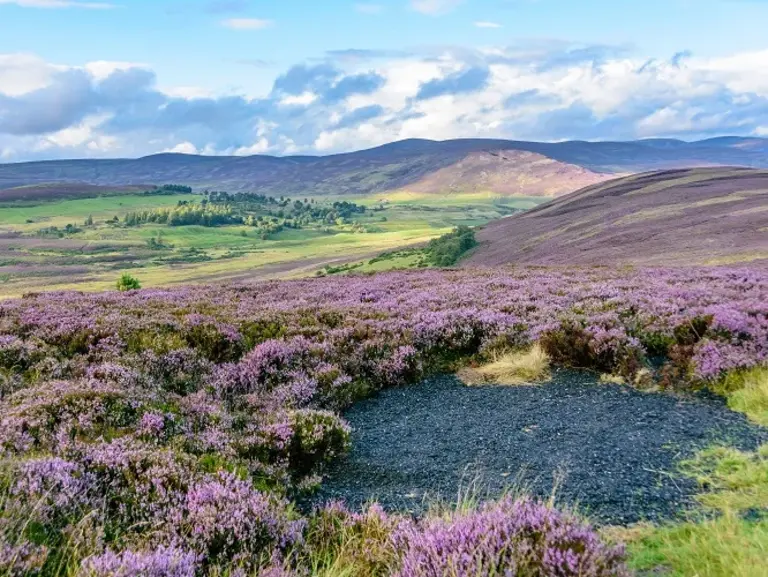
{"points": [[618, 447]]}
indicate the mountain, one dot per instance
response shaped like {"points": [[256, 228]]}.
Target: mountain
{"points": [[508, 173], [690, 216], [398, 165]]}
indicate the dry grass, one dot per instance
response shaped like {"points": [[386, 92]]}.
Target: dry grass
{"points": [[510, 369], [751, 398]]}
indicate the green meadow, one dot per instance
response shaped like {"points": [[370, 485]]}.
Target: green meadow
{"points": [[38, 251]]}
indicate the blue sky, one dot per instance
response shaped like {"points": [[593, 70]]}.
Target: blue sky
{"points": [[133, 77]]}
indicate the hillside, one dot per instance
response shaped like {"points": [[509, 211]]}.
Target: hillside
{"points": [[62, 190], [696, 216], [508, 173], [390, 167]]}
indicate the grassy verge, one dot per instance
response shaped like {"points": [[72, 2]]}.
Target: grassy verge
{"points": [[727, 535]]}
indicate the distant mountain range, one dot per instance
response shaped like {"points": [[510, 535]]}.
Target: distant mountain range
{"points": [[441, 167], [673, 217]]}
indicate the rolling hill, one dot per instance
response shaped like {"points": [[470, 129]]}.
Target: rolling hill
{"points": [[430, 166], [689, 216]]}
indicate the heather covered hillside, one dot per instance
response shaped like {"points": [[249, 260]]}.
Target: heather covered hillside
{"points": [[434, 166], [167, 432], [678, 217]]}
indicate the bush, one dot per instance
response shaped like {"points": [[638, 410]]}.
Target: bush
{"points": [[511, 537], [128, 283]]}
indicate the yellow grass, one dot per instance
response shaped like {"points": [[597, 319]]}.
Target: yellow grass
{"points": [[751, 398], [513, 368]]}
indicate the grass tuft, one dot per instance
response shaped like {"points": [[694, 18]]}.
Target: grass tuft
{"points": [[750, 394], [512, 368]]}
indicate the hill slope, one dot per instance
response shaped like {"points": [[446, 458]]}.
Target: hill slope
{"points": [[390, 167], [696, 216], [508, 173]]}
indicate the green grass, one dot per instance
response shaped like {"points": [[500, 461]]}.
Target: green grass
{"points": [[726, 536], [77, 210], [747, 392], [94, 258]]}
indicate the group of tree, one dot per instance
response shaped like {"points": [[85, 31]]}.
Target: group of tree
{"points": [[184, 214], [168, 190], [449, 248]]}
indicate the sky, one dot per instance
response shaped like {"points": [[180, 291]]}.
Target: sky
{"points": [[128, 78]]}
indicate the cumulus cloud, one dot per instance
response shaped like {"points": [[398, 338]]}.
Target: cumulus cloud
{"points": [[540, 91]]}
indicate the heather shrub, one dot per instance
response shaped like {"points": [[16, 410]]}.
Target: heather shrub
{"points": [[217, 342], [511, 537], [608, 350], [318, 438], [51, 415], [141, 484], [21, 559], [225, 519], [161, 562]]}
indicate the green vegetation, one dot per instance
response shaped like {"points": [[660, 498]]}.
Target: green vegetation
{"points": [[747, 392], [727, 536], [449, 248], [85, 243], [127, 283], [443, 251], [727, 533]]}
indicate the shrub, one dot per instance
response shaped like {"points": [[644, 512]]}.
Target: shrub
{"points": [[127, 283], [511, 537], [226, 519], [161, 562]]}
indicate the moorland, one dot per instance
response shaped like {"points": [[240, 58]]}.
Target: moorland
{"points": [[204, 429]]}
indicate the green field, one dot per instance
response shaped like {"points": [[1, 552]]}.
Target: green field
{"points": [[33, 257]]}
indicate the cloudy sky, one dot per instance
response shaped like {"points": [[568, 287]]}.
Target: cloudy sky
{"points": [[136, 77]]}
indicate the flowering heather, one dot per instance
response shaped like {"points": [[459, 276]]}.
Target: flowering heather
{"points": [[162, 562], [190, 417], [506, 538]]}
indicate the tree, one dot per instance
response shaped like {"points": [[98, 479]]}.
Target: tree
{"points": [[89, 220], [128, 283]]}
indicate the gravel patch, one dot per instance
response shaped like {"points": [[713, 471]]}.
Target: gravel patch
{"points": [[614, 449]]}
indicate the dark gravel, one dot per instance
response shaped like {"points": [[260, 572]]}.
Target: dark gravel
{"points": [[619, 447]]}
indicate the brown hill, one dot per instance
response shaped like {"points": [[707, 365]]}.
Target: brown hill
{"points": [[508, 173], [695, 216], [394, 166], [62, 190]]}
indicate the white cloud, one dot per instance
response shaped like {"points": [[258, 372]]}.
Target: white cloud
{"points": [[303, 99], [483, 24], [532, 92], [59, 4], [183, 148], [23, 73], [101, 69], [434, 7], [246, 23]]}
